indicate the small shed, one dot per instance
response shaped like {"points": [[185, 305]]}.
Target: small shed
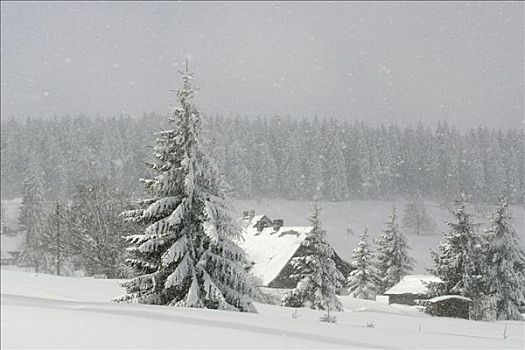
{"points": [[449, 306], [410, 289]]}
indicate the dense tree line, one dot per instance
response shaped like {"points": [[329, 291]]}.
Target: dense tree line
{"points": [[64, 152], [338, 161], [275, 157]]}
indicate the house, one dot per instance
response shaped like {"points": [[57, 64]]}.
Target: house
{"points": [[410, 289], [449, 306], [6, 258], [270, 246], [10, 248]]}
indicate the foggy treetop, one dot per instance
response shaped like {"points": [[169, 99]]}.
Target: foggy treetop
{"points": [[380, 62]]}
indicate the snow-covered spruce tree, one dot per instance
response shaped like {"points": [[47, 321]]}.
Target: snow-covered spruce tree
{"points": [[458, 261], [315, 270], [187, 254], [505, 266], [363, 282], [31, 222], [393, 261]]}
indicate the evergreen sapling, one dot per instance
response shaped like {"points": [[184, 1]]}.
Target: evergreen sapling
{"points": [[31, 222], [363, 282], [505, 265], [316, 272], [393, 262]]}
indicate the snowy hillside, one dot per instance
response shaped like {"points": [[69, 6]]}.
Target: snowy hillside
{"points": [[43, 311], [337, 217]]}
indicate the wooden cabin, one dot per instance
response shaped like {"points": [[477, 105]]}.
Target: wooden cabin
{"points": [[449, 306], [410, 289]]}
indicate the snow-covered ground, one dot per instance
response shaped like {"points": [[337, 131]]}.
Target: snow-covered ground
{"points": [[337, 217], [43, 311]]}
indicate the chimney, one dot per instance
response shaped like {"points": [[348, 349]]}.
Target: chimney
{"points": [[251, 213], [245, 214], [277, 224]]}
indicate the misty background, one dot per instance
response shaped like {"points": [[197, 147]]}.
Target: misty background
{"points": [[399, 62]]}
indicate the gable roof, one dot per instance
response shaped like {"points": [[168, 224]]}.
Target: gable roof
{"points": [[269, 251], [413, 284]]}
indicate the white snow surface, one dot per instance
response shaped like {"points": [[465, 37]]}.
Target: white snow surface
{"points": [[413, 284], [446, 297], [268, 250], [43, 311]]}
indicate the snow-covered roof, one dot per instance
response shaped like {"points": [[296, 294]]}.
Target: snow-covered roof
{"points": [[413, 284], [268, 250], [446, 297]]}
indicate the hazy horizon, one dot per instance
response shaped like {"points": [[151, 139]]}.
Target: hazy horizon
{"points": [[377, 62]]}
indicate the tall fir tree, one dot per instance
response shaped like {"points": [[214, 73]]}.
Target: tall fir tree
{"points": [[386, 165], [31, 222], [315, 270], [334, 166], [237, 172], [363, 282], [187, 254], [494, 167], [314, 161], [505, 265], [393, 261], [415, 217], [265, 171], [458, 261], [292, 181]]}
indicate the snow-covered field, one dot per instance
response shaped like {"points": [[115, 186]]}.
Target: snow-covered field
{"points": [[43, 311], [337, 217]]}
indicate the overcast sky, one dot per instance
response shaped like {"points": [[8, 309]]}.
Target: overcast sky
{"points": [[401, 61]]}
